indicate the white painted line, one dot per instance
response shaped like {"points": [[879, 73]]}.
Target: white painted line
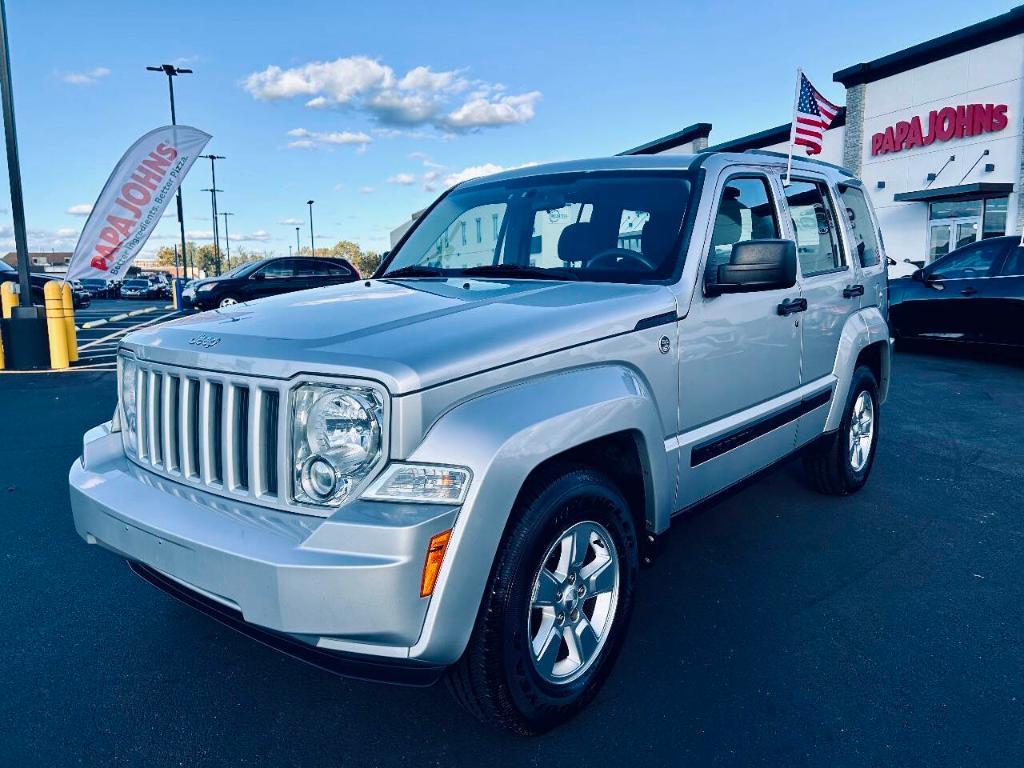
{"points": [[122, 331]]}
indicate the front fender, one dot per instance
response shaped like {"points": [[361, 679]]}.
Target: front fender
{"points": [[863, 328], [502, 437]]}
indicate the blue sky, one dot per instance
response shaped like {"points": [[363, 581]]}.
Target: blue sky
{"points": [[372, 108]]}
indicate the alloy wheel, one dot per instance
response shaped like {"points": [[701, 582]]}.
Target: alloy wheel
{"points": [[862, 431]]}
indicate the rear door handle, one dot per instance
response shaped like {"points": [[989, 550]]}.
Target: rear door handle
{"points": [[789, 306], [853, 290], [968, 291]]}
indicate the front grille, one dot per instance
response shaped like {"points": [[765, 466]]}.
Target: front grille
{"points": [[211, 430]]}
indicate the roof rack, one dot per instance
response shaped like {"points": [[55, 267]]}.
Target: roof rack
{"points": [[784, 156]]}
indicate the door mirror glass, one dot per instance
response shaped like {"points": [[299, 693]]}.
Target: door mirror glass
{"points": [[756, 265], [259, 276], [917, 276]]}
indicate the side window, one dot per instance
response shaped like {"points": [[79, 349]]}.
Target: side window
{"points": [[975, 260], [745, 212], [817, 238], [308, 268], [278, 270], [865, 239], [1014, 266], [334, 270]]}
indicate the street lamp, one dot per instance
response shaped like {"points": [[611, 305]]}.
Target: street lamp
{"points": [[227, 238], [213, 201], [25, 305], [297, 246], [312, 242], [172, 71]]}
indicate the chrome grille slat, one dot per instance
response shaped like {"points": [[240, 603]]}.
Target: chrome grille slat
{"points": [[221, 432]]}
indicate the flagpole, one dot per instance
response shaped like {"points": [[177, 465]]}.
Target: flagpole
{"points": [[792, 125]]}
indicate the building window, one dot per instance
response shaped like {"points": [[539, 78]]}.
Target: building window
{"points": [[994, 222], [494, 224], [462, 229], [479, 233]]}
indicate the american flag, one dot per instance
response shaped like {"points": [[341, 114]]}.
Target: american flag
{"points": [[814, 114]]}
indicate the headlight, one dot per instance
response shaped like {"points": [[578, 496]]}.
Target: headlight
{"points": [[206, 287], [421, 483], [128, 394], [336, 441]]}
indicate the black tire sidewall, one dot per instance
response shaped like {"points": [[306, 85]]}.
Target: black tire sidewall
{"points": [[574, 497], [863, 381]]}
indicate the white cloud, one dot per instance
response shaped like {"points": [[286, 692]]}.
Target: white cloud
{"points": [[420, 97], [86, 78], [405, 179], [259, 236], [67, 232], [475, 171], [81, 209], [501, 110], [303, 139], [366, 190], [291, 222]]}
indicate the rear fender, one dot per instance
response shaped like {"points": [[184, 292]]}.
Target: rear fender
{"points": [[862, 329]]}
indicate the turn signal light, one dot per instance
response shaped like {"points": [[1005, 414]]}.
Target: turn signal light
{"points": [[435, 554]]}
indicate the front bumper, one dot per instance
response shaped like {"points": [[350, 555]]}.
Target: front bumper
{"points": [[348, 583]]}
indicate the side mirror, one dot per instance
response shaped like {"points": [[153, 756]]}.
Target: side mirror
{"points": [[917, 276], [259, 276], [756, 265]]}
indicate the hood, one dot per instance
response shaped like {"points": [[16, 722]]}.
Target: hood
{"points": [[408, 334]]}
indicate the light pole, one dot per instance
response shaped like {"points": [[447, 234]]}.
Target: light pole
{"points": [[213, 201], [298, 247], [172, 71], [227, 239], [25, 306], [312, 242]]}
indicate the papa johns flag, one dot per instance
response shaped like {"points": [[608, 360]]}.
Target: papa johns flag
{"points": [[133, 200]]}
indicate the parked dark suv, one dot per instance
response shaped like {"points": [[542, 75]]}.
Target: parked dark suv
{"points": [[269, 277], [80, 296]]}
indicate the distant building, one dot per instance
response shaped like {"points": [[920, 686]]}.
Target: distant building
{"points": [[51, 262]]}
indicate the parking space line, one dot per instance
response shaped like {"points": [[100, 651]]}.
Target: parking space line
{"points": [[122, 331]]}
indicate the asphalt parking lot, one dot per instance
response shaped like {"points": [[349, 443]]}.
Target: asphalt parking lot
{"points": [[102, 324], [777, 628]]}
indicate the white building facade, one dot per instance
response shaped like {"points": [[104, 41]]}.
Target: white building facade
{"points": [[935, 132]]}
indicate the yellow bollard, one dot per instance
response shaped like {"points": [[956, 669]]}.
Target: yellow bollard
{"points": [[1, 350], [8, 299], [55, 327], [69, 321]]}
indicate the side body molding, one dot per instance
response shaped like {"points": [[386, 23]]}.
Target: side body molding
{"points": [[502, 436], [862, 329]]}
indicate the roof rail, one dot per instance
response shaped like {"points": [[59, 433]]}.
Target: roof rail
{"points": [[783, 155]]}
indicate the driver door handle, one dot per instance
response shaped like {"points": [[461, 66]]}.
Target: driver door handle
{"points": [[968, 291], [853, 290], [789, 306]]}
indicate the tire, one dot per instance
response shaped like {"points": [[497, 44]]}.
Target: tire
{"points": [[497, 679], [833, 466], [228, 301]]}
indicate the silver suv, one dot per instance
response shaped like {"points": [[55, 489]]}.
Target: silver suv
{"points": [[455, 469]]}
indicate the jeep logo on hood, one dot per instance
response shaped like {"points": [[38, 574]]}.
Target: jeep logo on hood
{"points": [[204, 340]]}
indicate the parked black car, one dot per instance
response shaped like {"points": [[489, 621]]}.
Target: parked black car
{"points": [[975, 293], [139, 288], [269, 277], [9, 274], [99, 288]]}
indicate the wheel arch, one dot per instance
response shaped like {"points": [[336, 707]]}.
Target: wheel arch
{"points": [[588, 416], [864, 340]]}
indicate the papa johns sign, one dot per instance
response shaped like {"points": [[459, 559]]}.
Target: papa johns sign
{"points": [[943, 124]]}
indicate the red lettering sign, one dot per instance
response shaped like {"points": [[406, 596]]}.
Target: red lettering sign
{"points": [[943, 124]]}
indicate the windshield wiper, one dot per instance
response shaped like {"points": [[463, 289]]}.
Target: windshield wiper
{"points": [[415, 270], [518, 271]]}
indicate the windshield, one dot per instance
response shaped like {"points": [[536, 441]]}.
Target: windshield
{"points": [[93, 281], [242, 269], [136, 283], [610, 227], [5, 267]]}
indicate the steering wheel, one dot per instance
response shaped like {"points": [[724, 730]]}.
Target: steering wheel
{"points": [[613, 255]]}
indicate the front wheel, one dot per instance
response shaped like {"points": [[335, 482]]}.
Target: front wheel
{"points": [[227, 301], [557, 606], [840, 464]]}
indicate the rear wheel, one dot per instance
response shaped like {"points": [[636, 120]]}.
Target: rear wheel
{"points": [[556, 608], [840, 464]]}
